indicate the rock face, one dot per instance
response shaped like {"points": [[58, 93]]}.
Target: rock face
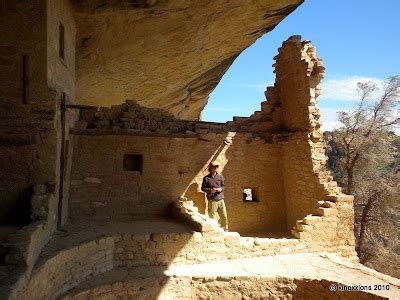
{"points": [[163, 53]]}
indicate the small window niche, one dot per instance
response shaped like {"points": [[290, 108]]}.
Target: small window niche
{"points": [[249, 195], [133, 163], [61, 41]]}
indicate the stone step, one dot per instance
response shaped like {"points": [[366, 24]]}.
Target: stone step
{"points": [[302, 235], [324, 212], [311, 220], [327, 204], [301, 226]]}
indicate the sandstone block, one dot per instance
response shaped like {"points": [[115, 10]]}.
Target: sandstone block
{"points": [[345, 198], [92, 180], [39, 189], [303, 227], [327, 211], [301, 235]]}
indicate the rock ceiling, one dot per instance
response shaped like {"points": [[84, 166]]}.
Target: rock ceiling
{"points": [[169, 54]]}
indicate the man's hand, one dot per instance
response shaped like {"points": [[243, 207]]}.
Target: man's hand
{"points": [[218, 190]]}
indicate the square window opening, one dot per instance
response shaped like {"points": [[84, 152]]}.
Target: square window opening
{"points": [[250, 195], [133, 163]]}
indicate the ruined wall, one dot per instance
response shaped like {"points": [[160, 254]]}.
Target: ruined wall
{"points": [[100, 188], [69, 266], [253, 163], [61, 78], [297, 86], [61, 71], [23, 33], [302, 186], [30, 126], [316, 207]]}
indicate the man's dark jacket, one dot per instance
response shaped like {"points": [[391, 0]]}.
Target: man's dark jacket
{"points": [[213, 182]]}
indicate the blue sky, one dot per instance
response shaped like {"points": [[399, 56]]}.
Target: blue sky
{"points": [[358, 40]]}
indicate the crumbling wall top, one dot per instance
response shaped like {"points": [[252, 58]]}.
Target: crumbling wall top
{"points": [[298, 84]]}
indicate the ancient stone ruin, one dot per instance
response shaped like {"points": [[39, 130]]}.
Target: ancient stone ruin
{"points": [[103, 155]]}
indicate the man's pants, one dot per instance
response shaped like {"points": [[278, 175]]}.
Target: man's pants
{"points": [[218, 206]]}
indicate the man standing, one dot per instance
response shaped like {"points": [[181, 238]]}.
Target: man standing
{"points": [[213, 186]]}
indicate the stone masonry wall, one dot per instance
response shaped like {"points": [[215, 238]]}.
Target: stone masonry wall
{"points": [[174, 167], [298, 75], [70, 266], [131, 115], [23, 33], [253, 163], [30, 130], [222, 287], [67, 269], [329, 213], [61, 71], [302, 186], [61, 78], [297, 84]]}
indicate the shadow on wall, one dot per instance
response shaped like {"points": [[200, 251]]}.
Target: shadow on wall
{"points": [[198, 198], [102, 186], [254, 167], [194, 192], [16, 184], [248, 164]]}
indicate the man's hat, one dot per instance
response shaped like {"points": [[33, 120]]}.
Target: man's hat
{"points": [[214, 164]]}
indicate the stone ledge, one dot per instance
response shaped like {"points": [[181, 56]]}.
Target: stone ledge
{"points": [[70, 264], [282, 270]]}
